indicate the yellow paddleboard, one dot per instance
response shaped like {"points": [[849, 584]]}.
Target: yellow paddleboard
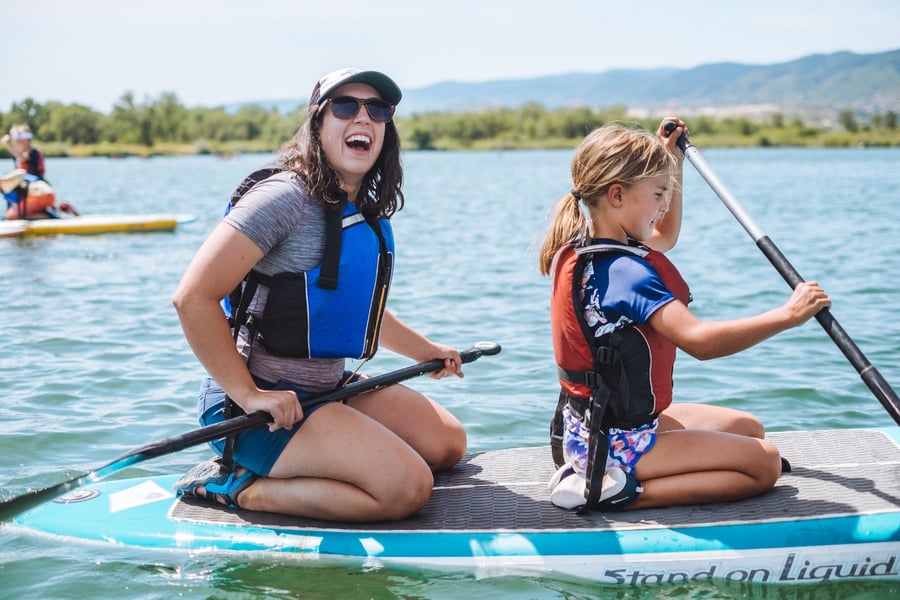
{"points": [[93, 224]]}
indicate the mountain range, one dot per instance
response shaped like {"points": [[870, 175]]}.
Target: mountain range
{"points": [[864, 83]]}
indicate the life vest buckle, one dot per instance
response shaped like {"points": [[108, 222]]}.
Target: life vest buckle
{"points": [[593, 379], [606, 355]]}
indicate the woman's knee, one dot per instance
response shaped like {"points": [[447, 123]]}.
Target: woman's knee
{"points": [[450, 448], [408, 495]]}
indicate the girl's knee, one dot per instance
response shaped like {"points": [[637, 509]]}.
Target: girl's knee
{"points": [[743, 423], [769, 467], [747, 425]]}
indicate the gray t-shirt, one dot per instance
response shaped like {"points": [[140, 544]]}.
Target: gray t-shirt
{"points": [[289, 227]]}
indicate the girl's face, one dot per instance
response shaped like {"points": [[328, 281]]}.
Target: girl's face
{"points": [[643, 204], [351, 145]]}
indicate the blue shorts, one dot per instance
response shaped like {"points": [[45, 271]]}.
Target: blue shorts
{"points": [[256, 449]]}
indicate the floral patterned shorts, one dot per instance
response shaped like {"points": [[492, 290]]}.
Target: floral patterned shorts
{"points": [[626, 446]]}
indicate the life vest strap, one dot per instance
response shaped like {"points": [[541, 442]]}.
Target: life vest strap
{"points": [[328, 276], [591, 379]]}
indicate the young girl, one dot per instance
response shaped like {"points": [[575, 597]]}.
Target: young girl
{"points": [[618, 311], [370, 458]]}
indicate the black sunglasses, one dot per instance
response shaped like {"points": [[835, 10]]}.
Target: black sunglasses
{"points": [[346, 107]]}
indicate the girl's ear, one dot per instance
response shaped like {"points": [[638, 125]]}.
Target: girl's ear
{"points": [[614, 194]]}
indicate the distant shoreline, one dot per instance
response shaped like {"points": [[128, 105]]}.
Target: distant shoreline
{"points": [[163, 127], [760, 140]]}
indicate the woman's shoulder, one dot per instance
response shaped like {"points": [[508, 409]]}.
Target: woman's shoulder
{"points": [[283, 192], [276, 209], [280, 184]]}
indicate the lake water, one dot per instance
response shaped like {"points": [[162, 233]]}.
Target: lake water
{"points": [[93, 362]]}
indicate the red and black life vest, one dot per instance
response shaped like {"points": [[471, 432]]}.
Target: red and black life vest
{"points": [[574, 344]]}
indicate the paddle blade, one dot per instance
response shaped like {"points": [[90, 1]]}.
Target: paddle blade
{"points": [[25, 502]]}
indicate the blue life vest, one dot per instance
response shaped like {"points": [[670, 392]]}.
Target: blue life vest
{"points": [[316, 313]]}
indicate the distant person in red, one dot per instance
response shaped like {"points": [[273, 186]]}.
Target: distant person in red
{"points": [[18, 142]]}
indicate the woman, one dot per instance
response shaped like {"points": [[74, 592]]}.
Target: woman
{"points": [[370, 458], [618, 311]]}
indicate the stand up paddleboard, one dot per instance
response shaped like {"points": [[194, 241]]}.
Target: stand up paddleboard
{"points": [[836, 516], [93, 224]]}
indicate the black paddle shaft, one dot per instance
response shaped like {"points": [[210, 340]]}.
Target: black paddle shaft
{"points": [[19, 504], [869, 374]]}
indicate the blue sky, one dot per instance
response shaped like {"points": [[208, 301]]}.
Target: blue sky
{"points": [[214, 52]]}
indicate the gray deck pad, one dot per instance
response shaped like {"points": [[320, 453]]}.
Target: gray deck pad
{"points": [[835, 473]]}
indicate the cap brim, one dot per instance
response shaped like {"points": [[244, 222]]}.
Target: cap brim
{"points": [[384, 85]]}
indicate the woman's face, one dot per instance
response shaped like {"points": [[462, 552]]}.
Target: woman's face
{"points": [[351, 145]]}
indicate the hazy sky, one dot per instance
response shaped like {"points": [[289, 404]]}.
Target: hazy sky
{"points": [[213, 52]]}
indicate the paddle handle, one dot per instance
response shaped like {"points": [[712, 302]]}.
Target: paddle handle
{"points": [[361, 386], [868, 373]]}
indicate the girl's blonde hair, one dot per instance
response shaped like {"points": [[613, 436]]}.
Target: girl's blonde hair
{"points": [[608, 155]]}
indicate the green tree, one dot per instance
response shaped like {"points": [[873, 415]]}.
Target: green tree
{"points": [[250, 122], [124, 125], [848, 121], [73, 124], [287, 126], [28, 112], [703, 124], [422, 139], [168, 116], [530, 117]]}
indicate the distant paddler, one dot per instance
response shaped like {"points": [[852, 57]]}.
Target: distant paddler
{"points": [[30, 197]]}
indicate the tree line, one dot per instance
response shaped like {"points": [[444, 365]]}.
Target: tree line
{"points": [[163, 125]]}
